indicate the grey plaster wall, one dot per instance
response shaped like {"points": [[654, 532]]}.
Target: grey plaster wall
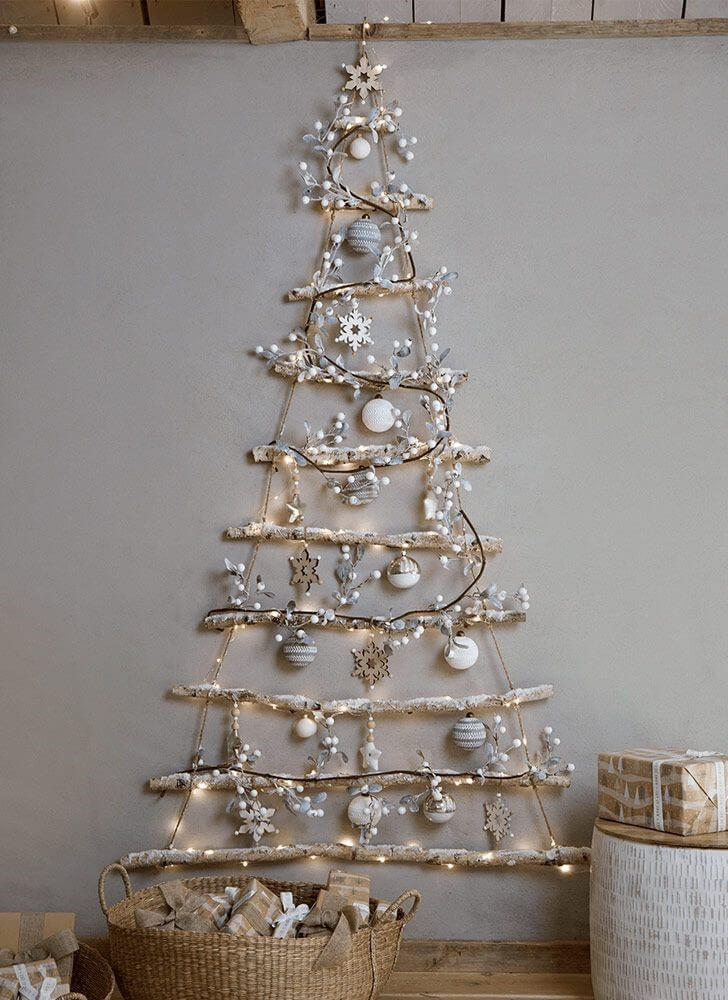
{"points": [[150, 226]]}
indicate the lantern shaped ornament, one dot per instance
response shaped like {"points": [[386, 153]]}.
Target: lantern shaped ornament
{"points": [[468, 733], [461, 652], [300, 649], [438, 807], [403, 572], [363, 236], [378, 415], [359, 148]]}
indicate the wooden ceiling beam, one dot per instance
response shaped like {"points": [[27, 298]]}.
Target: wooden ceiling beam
{"points": [[521, 29], [274, 20]]}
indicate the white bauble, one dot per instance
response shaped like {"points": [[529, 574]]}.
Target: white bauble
{"points": [[461, 652], [305, 727], [378, 415], [364, 810], [403, 572], [359, 148], [439, 810]]}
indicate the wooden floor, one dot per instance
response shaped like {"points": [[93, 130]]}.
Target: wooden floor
{"points": [[488, 986]]}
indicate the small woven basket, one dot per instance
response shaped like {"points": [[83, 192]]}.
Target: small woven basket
{"points": [[92, 977], [155, 964]]}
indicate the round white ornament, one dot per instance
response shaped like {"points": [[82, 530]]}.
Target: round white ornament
{"points": [[305, 727], [461, 652], [364, 810], [403, 572], [359, 148], [439, 810], [378, 415], [468, 733]]}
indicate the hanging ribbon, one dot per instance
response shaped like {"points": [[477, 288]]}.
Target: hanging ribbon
{"points": [[287, 922]]}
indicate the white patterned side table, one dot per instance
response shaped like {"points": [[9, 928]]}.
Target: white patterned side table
{"points": [[658, 914]]}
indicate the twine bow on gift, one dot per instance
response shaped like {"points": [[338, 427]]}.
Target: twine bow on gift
{"points": [[188, 911], [291, 916], [60, 947]]}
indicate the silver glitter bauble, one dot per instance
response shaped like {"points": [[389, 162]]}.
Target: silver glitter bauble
{"points": [[363, 236], [439, 810], [468, 733], [362, 489], [403, 572]]}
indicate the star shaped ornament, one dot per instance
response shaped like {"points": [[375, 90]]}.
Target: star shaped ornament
{"points": [[354, 330], [363, 77], [371, 663], [497, 819], [304, 569]]}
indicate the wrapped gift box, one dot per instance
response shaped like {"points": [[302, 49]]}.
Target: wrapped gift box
{"points": [[254, 912], [678, 791], [32, 979], [28, 937]]}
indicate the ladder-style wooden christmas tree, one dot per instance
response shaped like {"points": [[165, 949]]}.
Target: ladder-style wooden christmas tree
{"points": [[374, 229]]}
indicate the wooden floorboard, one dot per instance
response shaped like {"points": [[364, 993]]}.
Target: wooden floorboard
{"points": [[488, 986]]}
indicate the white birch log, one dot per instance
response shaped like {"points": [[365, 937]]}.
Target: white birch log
{"points": [[448, 376], [375, 454], [342, 536], [182, 780], [454, 857], [299, 704], [222, 618], [412, 203], [369, 288]]}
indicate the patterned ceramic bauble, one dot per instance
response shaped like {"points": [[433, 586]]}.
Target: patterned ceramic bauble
{"points": [[305, 727], [403, 572], [363, 236], [364, 810], [468, 733], [359, 148], [299, 649], [439, 810], [461, 652], [378, 415], [360, 487]]}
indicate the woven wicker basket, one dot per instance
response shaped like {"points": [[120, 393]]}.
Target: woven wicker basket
{"points": [[92, 976], [154, 964]]}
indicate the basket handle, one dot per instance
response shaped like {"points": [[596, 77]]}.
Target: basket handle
{"points": [[412, 894], [102, 884]]}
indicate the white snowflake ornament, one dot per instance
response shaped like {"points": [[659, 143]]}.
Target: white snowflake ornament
{"points": [[363, 77], [354, 329]]}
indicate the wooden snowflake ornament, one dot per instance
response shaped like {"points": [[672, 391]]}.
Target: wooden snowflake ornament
{"points": [[363, 77], [304, 569], [497, 819], [371, 663], [354, 329]]}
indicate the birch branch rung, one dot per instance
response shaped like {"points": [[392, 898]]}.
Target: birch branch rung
{"points": [[223, 618], [182, 780], [449, 857], [342, 536], [423, 203], [367, 289], [289, 369], [375, 454], [299, 704]]}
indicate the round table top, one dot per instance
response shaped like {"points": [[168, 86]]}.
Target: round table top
{"points": [[643, 835]]}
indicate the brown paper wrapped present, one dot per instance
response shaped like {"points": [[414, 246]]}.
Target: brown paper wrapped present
{"points": [[186, 910], [39, 980], [254, 912], [29, 937], [353, 888], [678, 791]]}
